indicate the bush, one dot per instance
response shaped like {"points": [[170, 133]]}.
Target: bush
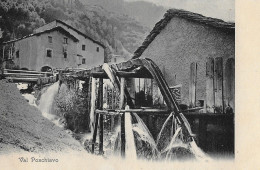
{"points": [[69, 104]]}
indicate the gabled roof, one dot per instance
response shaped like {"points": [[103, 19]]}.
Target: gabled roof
{"points": [[159, 26], [60, 29], [79, 32]]}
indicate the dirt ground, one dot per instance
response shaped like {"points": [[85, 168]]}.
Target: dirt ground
{"points": [[24, 129]]}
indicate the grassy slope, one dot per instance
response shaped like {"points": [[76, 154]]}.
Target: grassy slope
{"points": [[23, 128]]}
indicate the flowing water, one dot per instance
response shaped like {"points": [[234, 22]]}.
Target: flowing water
{"points": [[46, 103], [178, 147], [142, 144], [139, 141], [129, 136]]}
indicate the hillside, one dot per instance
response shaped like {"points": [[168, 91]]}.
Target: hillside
{"points": [[144, 12], [24, 129], [121, 33]]}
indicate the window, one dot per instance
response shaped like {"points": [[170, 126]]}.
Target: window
{"points": [[83, 61], [97, 49], [65, 54], [49, 39], [83, 47], [65, 40], [49, 53], [115, 60], [17, 54]]}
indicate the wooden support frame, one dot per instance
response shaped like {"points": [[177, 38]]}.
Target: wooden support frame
{"points": [[101, 117], [99, 120], [95, 133]]}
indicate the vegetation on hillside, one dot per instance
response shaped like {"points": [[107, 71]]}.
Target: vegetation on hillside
{"points": [[121, 33]]}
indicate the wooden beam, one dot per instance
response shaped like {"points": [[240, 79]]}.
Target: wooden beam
{"points": [[121, 105], [25, 80], [99, 75], [92, 114], [26, 71], [142, 110], [122, 93], [125, 74], [22, 75], [132, 74], [101, 125], [95, 133]]}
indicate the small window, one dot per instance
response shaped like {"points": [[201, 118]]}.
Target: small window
{"points": [[65, 54], [49, 39], [49, 53], [83, 61], [17, 54], [83, 47], [97, 49], [115, 60], [65, 40]]}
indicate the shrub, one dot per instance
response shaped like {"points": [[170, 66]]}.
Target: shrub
{"points": [[69, 104]]}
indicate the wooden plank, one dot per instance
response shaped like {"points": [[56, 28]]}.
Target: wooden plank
{"points": [[143, 110], [137, 90], [210, 95], [230, 85], [26, 71], [192, 85], [123, 135], [21, 75], [89, 80], [22, 79], [218, 84]]}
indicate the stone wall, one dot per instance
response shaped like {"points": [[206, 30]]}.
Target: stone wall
{"points": [[182, 42]]}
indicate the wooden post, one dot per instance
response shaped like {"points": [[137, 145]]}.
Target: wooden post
{"points": [[95, 133], [89, 97], [92, 113], [3, 67], [192, 85], [121, 105], [210, 99], [99, 118], [92, 102], [100, 107], [218, 81]]}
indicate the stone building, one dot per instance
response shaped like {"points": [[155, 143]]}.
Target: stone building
{"points": [[195, 53], [89, 51], [55, 45]]}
